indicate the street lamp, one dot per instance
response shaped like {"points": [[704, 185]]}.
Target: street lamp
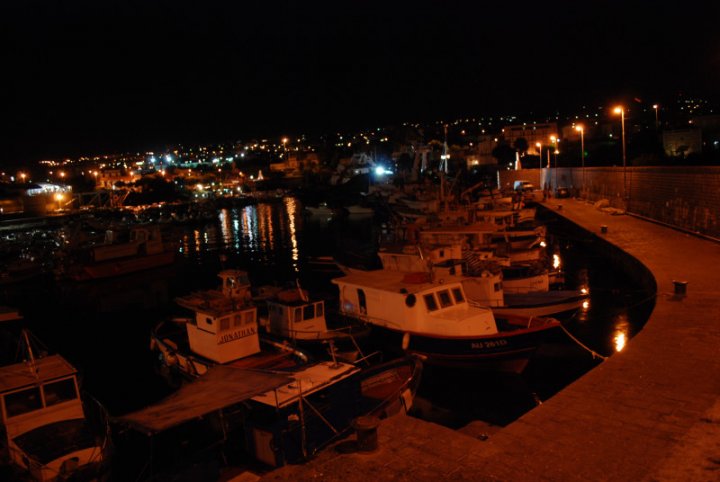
{"points": [[621, 110], [581, 130], [657, 123], [539, 149], [554, 140]]}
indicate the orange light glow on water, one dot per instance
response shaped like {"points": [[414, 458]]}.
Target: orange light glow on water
{"points": [[620, 335], [291, 208], [556, 261], [620, 340]]}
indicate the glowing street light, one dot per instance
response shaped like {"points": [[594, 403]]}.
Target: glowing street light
{"points": [[555, 141], [581, 129], [539, 149], [621, 110], [657, 123]]}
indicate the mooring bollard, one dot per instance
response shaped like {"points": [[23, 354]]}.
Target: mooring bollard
{"points": [[366, 430], [603, 229], [680, 287]]}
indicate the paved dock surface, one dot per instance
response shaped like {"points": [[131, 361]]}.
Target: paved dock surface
{"points": [[648, 413]]}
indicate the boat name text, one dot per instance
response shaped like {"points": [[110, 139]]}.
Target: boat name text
{"points": [[236, 335]]}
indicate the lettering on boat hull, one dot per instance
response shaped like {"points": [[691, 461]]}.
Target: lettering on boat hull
{"points": [[236, 335]]}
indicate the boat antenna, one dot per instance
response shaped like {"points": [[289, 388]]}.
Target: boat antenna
{"points": [[31, 356]]}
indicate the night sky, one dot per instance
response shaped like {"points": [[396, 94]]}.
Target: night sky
{"points": [[102, 76]]}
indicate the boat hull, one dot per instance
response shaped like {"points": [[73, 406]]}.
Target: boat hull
{"points": [[551, 303], [119, 267], [505, 352]]}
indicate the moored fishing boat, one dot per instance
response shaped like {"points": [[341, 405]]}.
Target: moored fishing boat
{"points": [[222, 330], [143, 249], [276, 417], [46, 434], [432, 317], [294, 316]]}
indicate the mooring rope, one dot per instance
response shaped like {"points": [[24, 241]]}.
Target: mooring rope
{"points": [[592, 352]]}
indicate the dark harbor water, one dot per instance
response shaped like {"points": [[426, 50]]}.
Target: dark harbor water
{"points": [[103, 327]]}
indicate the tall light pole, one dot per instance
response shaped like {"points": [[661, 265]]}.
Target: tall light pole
{"points": [[554, 140], [581, 130], [657, 123], [539, 149], [621, 110]]}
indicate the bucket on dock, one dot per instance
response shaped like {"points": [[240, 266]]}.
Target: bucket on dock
{"points": [[366, 430]]}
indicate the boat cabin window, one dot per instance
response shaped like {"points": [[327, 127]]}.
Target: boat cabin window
{"points": [[208, 320], [225, 323], [237, 320], [319, 308], [58, 392], [298, 315], [23, 401], [458, 295], [498, 286], [309, 312], [444, 297], [249, 317], [430, 302]]}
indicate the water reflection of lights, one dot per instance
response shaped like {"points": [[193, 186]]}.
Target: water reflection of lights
{"points": [[225, 228], [291, 208], [620, 334], [249, 226], [196, 235], [556, 261], [620, 339]]}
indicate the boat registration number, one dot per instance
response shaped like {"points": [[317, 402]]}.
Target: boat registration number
{"points": [[481, 345]]}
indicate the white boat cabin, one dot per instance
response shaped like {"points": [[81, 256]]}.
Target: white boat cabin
{"points": [[417, 258], [38, 393], [417, 303], [225, 326], [40, 401], [292, 314]]}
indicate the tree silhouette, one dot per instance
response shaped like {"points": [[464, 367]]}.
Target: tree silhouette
{"points": [[504, 154], [521, 145]]}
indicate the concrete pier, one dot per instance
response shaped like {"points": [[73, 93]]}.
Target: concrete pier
{"points": [[648, 413]]}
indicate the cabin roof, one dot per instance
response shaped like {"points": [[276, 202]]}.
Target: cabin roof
{"points": [[389, 280], [213, 303], [19, 375], [220, 387], [309, 379]]}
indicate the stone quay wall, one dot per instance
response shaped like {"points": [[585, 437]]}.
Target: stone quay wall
{"points": [[686, 197]]}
